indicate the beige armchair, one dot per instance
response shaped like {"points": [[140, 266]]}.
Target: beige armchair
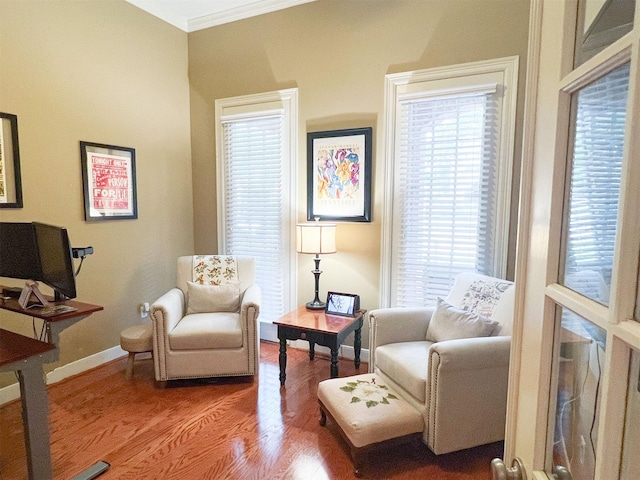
{"points": [[207, 331], [451, 364]]}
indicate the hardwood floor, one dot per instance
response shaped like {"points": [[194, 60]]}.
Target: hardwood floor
{"points": [[213, 429]]}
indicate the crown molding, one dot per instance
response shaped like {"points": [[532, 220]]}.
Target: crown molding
{"points": [[240, 13], [173, 15]]}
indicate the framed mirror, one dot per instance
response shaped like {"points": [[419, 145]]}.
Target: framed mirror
{"points": [[10, 183]]}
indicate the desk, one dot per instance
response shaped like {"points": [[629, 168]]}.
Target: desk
{"points": [[27, 356], [54, 324], [316, 326]]}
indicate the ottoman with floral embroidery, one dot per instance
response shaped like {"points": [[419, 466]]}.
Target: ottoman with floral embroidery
{"points": [[367, 411]]}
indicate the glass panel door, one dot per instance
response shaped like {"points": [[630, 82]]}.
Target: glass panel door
{"points": [[575, 402], [599, 120], [579, 366]]}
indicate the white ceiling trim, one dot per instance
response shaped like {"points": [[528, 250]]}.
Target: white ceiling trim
{"points": [[193, 15]]}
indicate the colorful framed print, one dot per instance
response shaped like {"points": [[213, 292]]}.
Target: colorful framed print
{"points": [[109, 182], [339, 175]]}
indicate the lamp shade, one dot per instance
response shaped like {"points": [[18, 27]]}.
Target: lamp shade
{"points": [[316, 237]]}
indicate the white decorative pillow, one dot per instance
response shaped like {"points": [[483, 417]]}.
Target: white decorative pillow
{"points": [[449, 323], [213, 298]]}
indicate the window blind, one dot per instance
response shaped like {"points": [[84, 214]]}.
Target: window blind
{"points": [[255, 199], [445, 194]]}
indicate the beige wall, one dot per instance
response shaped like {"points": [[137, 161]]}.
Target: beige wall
{"points": [[105, 72], [337, 54]]}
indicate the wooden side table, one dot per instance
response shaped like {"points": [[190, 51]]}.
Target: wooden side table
{"points": [[317, 327]]}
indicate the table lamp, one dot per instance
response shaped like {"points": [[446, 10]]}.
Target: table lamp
{"points": [[316, 238]]}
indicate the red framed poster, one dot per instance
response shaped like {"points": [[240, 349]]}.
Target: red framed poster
{"points": [[109, 182]]}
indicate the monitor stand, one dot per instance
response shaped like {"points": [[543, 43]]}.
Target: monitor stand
{"points": [[59, 297]]}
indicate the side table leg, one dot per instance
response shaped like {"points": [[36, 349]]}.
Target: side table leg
{"points": [[312, 350], [357, 346], [283, 360], [334, 362]]}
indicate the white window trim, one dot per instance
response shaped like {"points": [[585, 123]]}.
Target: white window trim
{"points": [[255, 105], [397, 88]]}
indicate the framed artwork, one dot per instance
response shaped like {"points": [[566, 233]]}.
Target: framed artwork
{"points": [[346, 304], [10, 181], [109, 182], [339, 175]]}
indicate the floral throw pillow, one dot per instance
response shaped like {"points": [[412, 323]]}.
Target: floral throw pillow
{"points": [[482, 296]]}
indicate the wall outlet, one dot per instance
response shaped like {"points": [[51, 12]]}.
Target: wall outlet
{"points": [[144, 310]]}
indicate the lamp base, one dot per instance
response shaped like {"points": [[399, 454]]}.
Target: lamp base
{"points": [[315, 305]]}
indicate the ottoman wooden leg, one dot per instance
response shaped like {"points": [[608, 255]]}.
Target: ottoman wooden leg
{"points": [[136, 339], [129, 372]]}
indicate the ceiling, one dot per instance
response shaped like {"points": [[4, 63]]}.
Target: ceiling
{"points": [[192, 15]]}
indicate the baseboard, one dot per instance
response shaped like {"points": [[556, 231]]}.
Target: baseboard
{"points": [[346, 351], [9, 393], [12, 392]]}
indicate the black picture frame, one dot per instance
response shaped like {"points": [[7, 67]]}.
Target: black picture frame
{"points": [[339, 165], [10, 177], [345, 304], [109, 182]]}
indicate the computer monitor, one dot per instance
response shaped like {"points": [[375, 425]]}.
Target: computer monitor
{"points": [[56, 260], [19, 256]]}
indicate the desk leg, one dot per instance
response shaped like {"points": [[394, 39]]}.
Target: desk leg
{"points": [[35, 409], [357, 346], [283, 360], [312, 350], [334, 362]]}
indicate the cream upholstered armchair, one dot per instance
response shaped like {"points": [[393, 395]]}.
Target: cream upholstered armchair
{"points": [[207, 326], [451, 361]]}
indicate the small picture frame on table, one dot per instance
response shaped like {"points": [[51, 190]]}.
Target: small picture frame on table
{"points": [[345, 304]]}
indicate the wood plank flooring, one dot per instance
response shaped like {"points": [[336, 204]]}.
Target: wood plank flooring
{"points": [[214, 429]]}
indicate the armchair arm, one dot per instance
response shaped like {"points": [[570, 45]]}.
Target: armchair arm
{"points": [[166, 312], [250, 310], [393, 325], [251, 299], [249, 313], [471, 353], [467, 388]]}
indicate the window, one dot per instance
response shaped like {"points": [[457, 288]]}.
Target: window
{"points": [[449, 158], [256, 142]]}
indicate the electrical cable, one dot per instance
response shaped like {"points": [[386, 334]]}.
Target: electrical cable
{"points": [[564, 405], [80, 266], [595, 405], [43, 331]]}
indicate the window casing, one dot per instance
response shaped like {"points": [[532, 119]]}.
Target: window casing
{"points": [[256, 144], [449, 154]]}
